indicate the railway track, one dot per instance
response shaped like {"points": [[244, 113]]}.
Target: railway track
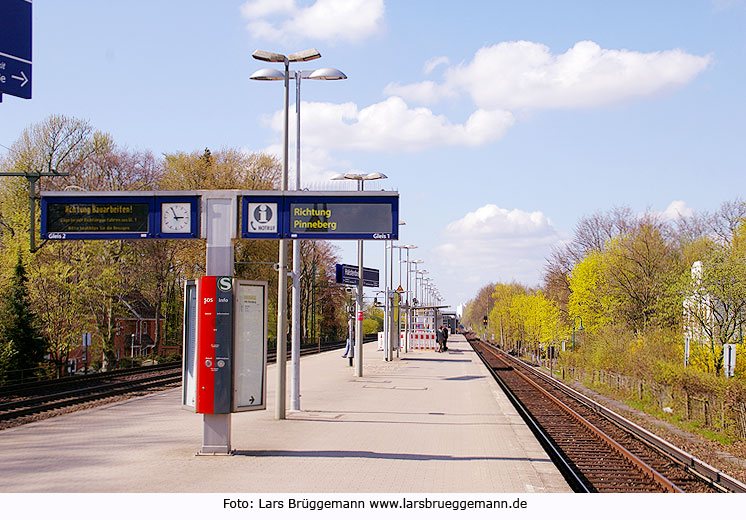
{"points": [[86, 391], [596, 449], [26, 402]]}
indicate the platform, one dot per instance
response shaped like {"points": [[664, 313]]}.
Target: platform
{"points": [[425, 423]]}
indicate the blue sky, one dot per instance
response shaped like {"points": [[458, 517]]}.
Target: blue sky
{"points": [[501, 123]]}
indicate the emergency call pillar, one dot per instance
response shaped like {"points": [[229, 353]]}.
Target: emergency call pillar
{"points": [[214, 345]]}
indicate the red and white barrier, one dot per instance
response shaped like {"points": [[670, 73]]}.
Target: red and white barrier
{"points": [[418, 340]]}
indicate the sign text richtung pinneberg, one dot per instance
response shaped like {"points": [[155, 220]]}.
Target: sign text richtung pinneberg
{"points": [[339, 218]]}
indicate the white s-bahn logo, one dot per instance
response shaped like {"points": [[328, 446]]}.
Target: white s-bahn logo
{"points": [[225, 284]]}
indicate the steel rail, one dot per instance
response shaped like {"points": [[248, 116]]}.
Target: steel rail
{"points": [[710, 474], [95, 393], [621, 450], [574, 478], [8, 405], [15, 388]]}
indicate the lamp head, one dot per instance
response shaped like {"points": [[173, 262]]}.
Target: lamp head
{"points": [[327, 73], [267, 75], [268, 56], [307, 55]]}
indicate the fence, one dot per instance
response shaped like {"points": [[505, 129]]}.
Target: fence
{"points": [[720, 413]]}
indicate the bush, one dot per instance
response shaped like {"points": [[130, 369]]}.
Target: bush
{"points": [[370, 326], [128, 362], [170, 358]]}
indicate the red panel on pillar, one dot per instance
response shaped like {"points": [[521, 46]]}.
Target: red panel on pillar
{"points": [[206, 297]]}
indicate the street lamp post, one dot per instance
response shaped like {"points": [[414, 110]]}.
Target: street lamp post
{"points": [[573, 330], [389, 307], [326, 73], [282, 282], [398, 323], [360, 178], [413, 295]]}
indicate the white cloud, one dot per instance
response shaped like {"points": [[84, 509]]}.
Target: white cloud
{"points": [[675, 210], [392, 125], [424, 92], [324, 20], [497, 244], [260, 8], [432, 63], [523, 74]]}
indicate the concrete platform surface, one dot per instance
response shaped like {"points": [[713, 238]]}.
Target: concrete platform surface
{"points": [[425, 423]]}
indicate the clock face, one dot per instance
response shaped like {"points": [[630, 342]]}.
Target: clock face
{"points": [[176, 217]]}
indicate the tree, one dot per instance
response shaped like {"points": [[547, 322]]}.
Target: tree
{"points": [[501, 322], [221, 170], [321, 298], [716, 301], [20, 336], [58, 302], [67, 290], [589, 298], [479, 307], [636, 265]]}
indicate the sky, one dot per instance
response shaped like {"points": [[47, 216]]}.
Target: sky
{"points": [[500, 123]]}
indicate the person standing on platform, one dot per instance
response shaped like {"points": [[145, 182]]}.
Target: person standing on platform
{"points": [[439, 339], [445, 338]]}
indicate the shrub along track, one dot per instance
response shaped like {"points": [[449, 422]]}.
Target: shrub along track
{"points": [[595, 449]]}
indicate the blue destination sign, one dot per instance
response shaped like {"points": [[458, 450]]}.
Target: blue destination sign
{"points": [[15, 48], [311, 215], [348, 275], [118, 215]]}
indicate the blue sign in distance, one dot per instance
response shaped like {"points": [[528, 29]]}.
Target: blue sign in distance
{"points": [[348, 275], [15, 48]]}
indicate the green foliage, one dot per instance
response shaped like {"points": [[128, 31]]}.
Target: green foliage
{"points": [[78, 287], [629, 277], [8, 355], [23, 346], [588, 298], [372, 326], [170, 358]]}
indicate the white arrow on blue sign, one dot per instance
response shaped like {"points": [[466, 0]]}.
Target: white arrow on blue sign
{"points": [[15, 48]]}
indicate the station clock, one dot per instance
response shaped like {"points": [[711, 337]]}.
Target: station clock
{"points": [[176, 217]]}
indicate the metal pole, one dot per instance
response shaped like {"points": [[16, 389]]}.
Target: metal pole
{"points": [[359, 305], [32, 207], [390, 300], [386, 312], [573, 335], [295, 316], [282, 281], [399, 320], [407, 323]]}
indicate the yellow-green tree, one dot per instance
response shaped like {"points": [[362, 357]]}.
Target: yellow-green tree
{"points": [[589, 298], [502, 323]]}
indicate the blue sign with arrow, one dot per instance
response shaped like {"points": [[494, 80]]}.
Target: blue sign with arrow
{"points": [[15, 48]]}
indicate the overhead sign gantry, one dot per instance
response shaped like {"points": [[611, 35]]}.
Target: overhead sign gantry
{"points": [[264, 215]]}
